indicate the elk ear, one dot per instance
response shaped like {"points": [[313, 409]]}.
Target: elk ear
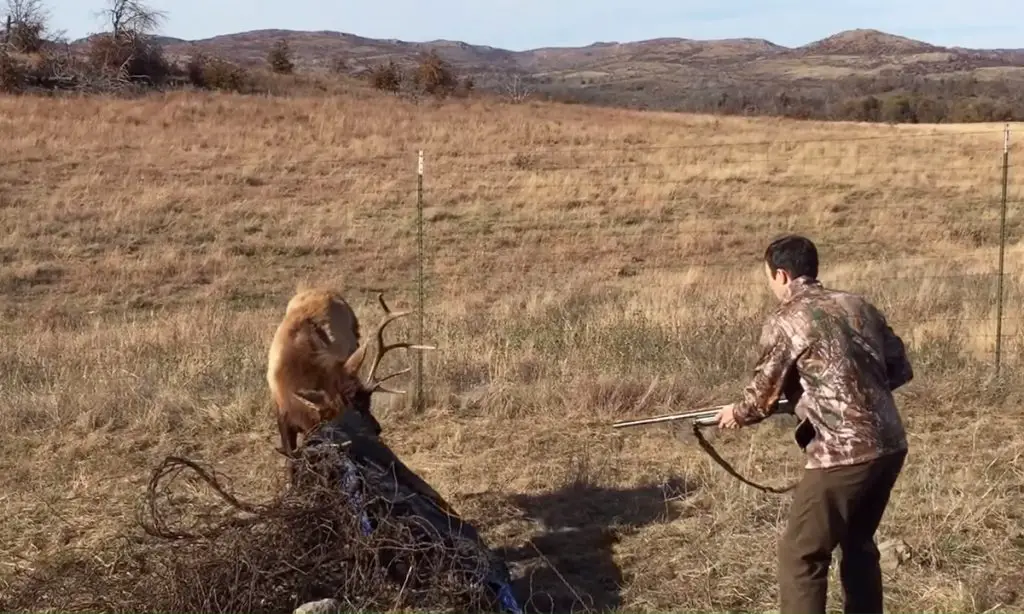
{"points": [[313, 399], [355, 361]]}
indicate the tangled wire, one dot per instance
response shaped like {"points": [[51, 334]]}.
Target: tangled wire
{"points": [[347, 529]]}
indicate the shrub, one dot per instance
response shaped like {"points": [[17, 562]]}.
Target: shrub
{"points": [[12, 73], [213, 73], [26, 37], [435, 76], [387, 77], [26, 25], [280, 58], [132, 56]]}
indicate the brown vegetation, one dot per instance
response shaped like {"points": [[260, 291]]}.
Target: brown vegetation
{"points": [[583, 265], [280, 58], [25, 27], [205, 550]]}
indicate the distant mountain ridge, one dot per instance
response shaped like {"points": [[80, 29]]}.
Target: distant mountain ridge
{"points": [[738, 75], [250, 46]]}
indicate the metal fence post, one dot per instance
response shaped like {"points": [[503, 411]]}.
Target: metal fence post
{"points": [[420, 298], [1002, 248]]}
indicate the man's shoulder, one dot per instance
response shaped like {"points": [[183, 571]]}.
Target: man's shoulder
{"points": [[829, 298], [855, 303], [791, 318], [845, 294], [818, 308]]}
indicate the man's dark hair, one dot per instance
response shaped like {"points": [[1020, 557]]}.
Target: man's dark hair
{"points": [[793, 254]]}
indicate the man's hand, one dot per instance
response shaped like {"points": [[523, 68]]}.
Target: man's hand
{"points": [[726, 419]]}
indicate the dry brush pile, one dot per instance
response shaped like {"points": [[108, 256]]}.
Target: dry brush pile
{"points": [[202, 549]]}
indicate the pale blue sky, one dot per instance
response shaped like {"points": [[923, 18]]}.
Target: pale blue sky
{"points": [[524, 24]]}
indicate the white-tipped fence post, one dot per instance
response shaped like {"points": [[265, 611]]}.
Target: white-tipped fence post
{"points": [[420, 292]]}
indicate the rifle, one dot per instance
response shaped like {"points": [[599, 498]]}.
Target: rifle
{"points": [[708, 416]]}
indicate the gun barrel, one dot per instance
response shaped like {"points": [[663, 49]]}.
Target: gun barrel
{"points": [[704, 416]]}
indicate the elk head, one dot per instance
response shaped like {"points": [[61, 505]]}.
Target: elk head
{"points": [[346, 390]]}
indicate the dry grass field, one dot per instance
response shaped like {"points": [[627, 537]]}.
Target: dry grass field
{"points": [[583, 265]]}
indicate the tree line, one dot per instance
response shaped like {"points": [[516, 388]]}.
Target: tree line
{"points": [[127, 56], [891, 98]]}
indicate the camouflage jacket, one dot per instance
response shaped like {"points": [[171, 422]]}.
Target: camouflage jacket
{"points": [[835, 356]]}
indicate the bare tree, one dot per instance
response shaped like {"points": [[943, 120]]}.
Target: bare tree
{"points": [[26, 25], [132, 18], [515, 89], [128, 48]]}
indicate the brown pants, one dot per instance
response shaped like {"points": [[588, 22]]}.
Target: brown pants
{"points": [[840, 506]]}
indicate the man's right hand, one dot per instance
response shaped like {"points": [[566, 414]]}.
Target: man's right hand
{"points": [[726, 418]]}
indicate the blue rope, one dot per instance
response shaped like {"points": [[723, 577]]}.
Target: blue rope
{"points": [[350, 485], [508, 600]]}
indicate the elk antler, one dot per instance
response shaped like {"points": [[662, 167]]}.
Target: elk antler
{"points": [[376, 385]]}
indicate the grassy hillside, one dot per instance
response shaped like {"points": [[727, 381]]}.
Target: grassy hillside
{"points": [[856, 74], [583, 265]]}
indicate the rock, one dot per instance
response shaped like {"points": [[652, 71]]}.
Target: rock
{"points": [[894, 552], [324, 606]]}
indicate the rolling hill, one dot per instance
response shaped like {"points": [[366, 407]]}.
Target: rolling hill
{"points": [[735, 75]]}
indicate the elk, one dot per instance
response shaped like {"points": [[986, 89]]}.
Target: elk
{"points": [[324, 307], [307, 372], [312, 312]]}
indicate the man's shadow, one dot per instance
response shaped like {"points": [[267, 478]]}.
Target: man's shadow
{"points": [[570, 565]]}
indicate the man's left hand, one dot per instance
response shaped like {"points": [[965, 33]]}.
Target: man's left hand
{"points": [[726, 418]]}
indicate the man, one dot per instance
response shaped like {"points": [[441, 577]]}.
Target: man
{"points": [[833, 355]]}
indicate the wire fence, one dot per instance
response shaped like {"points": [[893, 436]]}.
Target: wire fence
{"points": [[925, 224]]}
